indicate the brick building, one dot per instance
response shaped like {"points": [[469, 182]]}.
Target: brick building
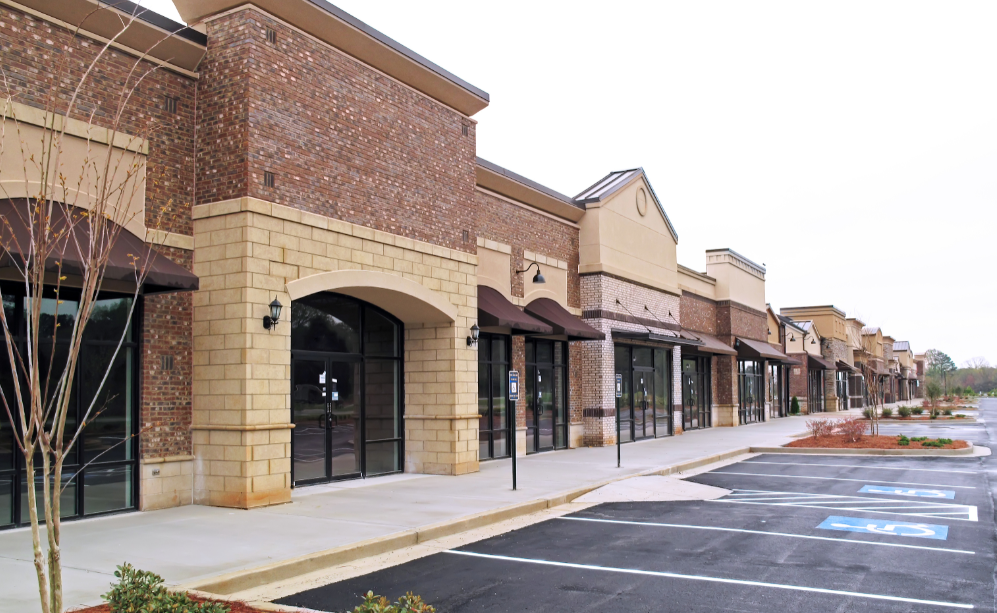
{"points": [[352, 285]]}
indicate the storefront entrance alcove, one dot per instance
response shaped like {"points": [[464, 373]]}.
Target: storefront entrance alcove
{"points": [[346, 389], [645, 403]]}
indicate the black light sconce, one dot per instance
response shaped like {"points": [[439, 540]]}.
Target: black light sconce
{"points": [[270, 321], [792, 338], [813, 341], [472, 341], [537, 278]]}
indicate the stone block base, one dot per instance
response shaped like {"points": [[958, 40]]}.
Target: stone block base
{"points": [[576, 435], [166, 482], [725, 415]]}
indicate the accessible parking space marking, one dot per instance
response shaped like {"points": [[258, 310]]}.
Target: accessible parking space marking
{"points": [[917, 493], [863, 467], [668, 575], [891, 528], [766, 533], [724, 472], [916, 508]]}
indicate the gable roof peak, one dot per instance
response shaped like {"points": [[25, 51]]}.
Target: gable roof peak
{"points": [[614, 182]]}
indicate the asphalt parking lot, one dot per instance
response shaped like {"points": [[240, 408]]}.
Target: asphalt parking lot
{"points": [[797, 533]]}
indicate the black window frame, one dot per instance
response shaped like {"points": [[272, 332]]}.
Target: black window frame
{"points": [[528, 387], [628, 422], [76, 469], [489, 339], [704, 381], [815, 391], [750, 410]]}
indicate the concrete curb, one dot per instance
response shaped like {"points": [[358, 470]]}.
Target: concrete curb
{"points": [[894, 420], [230, 583], [909, 452]]}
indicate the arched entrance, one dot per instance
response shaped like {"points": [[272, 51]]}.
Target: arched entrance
{"points": [[346, 389]]}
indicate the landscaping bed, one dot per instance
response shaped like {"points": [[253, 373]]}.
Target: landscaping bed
{"points": [[841, 441], [921, 418], [233, 607]]}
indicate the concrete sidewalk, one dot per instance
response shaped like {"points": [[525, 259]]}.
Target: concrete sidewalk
{"points": [[191, 543]]}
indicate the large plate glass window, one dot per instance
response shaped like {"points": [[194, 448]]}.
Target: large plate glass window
{"points": [[493, 397], [546, 388], [645, 405], [100, 475], [697, 398], [815, 391], [750, 383], [774, 395], [346, 389]]}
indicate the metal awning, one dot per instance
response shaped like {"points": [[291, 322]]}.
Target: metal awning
{"points": [[844, 366], [816, 363], [710, 344], [655, 337], [128, 259], [494, 311], [757, 349], [563, 322]]}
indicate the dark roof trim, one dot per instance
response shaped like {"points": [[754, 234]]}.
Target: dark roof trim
{"points": [[655, 338], [155, 19], [505, 172], [400, 48]]}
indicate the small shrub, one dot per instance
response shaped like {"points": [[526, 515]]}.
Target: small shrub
{"points": [[794, 406], [959, 415], [934, 415], [140, 591], [945, 441], [919, 439], [947, 412], [821, 427], [887, 413], [904, 411], [867, 413], [917, 410], [903, 441], [932, 444], [406, 604], [852, 428]]}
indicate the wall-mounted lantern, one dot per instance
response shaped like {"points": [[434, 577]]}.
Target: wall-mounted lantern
{"points": [[270, 321], [537, 278], [472, 341]]}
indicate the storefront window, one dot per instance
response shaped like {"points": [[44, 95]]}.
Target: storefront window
{"points": [[100, 472], [494, 417], [750, 383], [546, 386], [815, 391], [645, 406], [697, 398], [775, 395]]}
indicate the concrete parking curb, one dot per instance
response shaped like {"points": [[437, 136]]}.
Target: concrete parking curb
{"points": [[824, 451], [230, 583]]}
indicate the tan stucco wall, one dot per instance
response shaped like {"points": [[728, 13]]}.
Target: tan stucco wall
{"points": [[830, 321], [555, 274], [84, 154], [774, 326], [736, 280], [494, 268], [246, 253], [615, 238], [697, 283]]}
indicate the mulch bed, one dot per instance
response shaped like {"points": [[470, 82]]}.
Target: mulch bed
{"points": [[838, 441], [234, 607], [918, 418]]}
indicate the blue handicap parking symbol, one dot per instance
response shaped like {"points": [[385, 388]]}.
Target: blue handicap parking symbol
{"points": [[906, 491], [882, 526]]}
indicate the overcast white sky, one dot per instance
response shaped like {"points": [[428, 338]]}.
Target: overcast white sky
{"points": [[851, 147]]}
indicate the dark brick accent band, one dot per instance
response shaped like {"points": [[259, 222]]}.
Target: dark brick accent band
{"points": [[599, 412]]}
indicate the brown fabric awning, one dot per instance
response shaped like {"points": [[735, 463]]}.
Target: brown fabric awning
{"points": [[495, 311], [816, 363], [128, 255], [844, 366], [711, 344], [563, 322], [757, 349]]}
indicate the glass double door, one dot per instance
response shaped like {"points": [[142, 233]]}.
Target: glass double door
{"points": [[325, 407], [644, 405], [546, 386], [696, 393]]}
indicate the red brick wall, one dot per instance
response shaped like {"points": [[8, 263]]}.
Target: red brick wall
{"points": [[34, 58], [698, 313], [736, 320], [525, 230], [342, 139]]}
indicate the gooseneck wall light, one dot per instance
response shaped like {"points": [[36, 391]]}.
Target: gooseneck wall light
{"points": [[537, 278], [270, 321], [472, 341]]}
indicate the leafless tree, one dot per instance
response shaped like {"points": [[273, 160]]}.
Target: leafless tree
{"points": [[977, 363], [872, 386], [69, 215]]}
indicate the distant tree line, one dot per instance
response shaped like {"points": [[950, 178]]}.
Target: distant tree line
{"points": [[974, 377]]}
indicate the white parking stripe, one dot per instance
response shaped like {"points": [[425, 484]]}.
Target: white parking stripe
{"points": [[926, 470], [838, 502], [724, 472], [652, 573], [763, 532]]}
